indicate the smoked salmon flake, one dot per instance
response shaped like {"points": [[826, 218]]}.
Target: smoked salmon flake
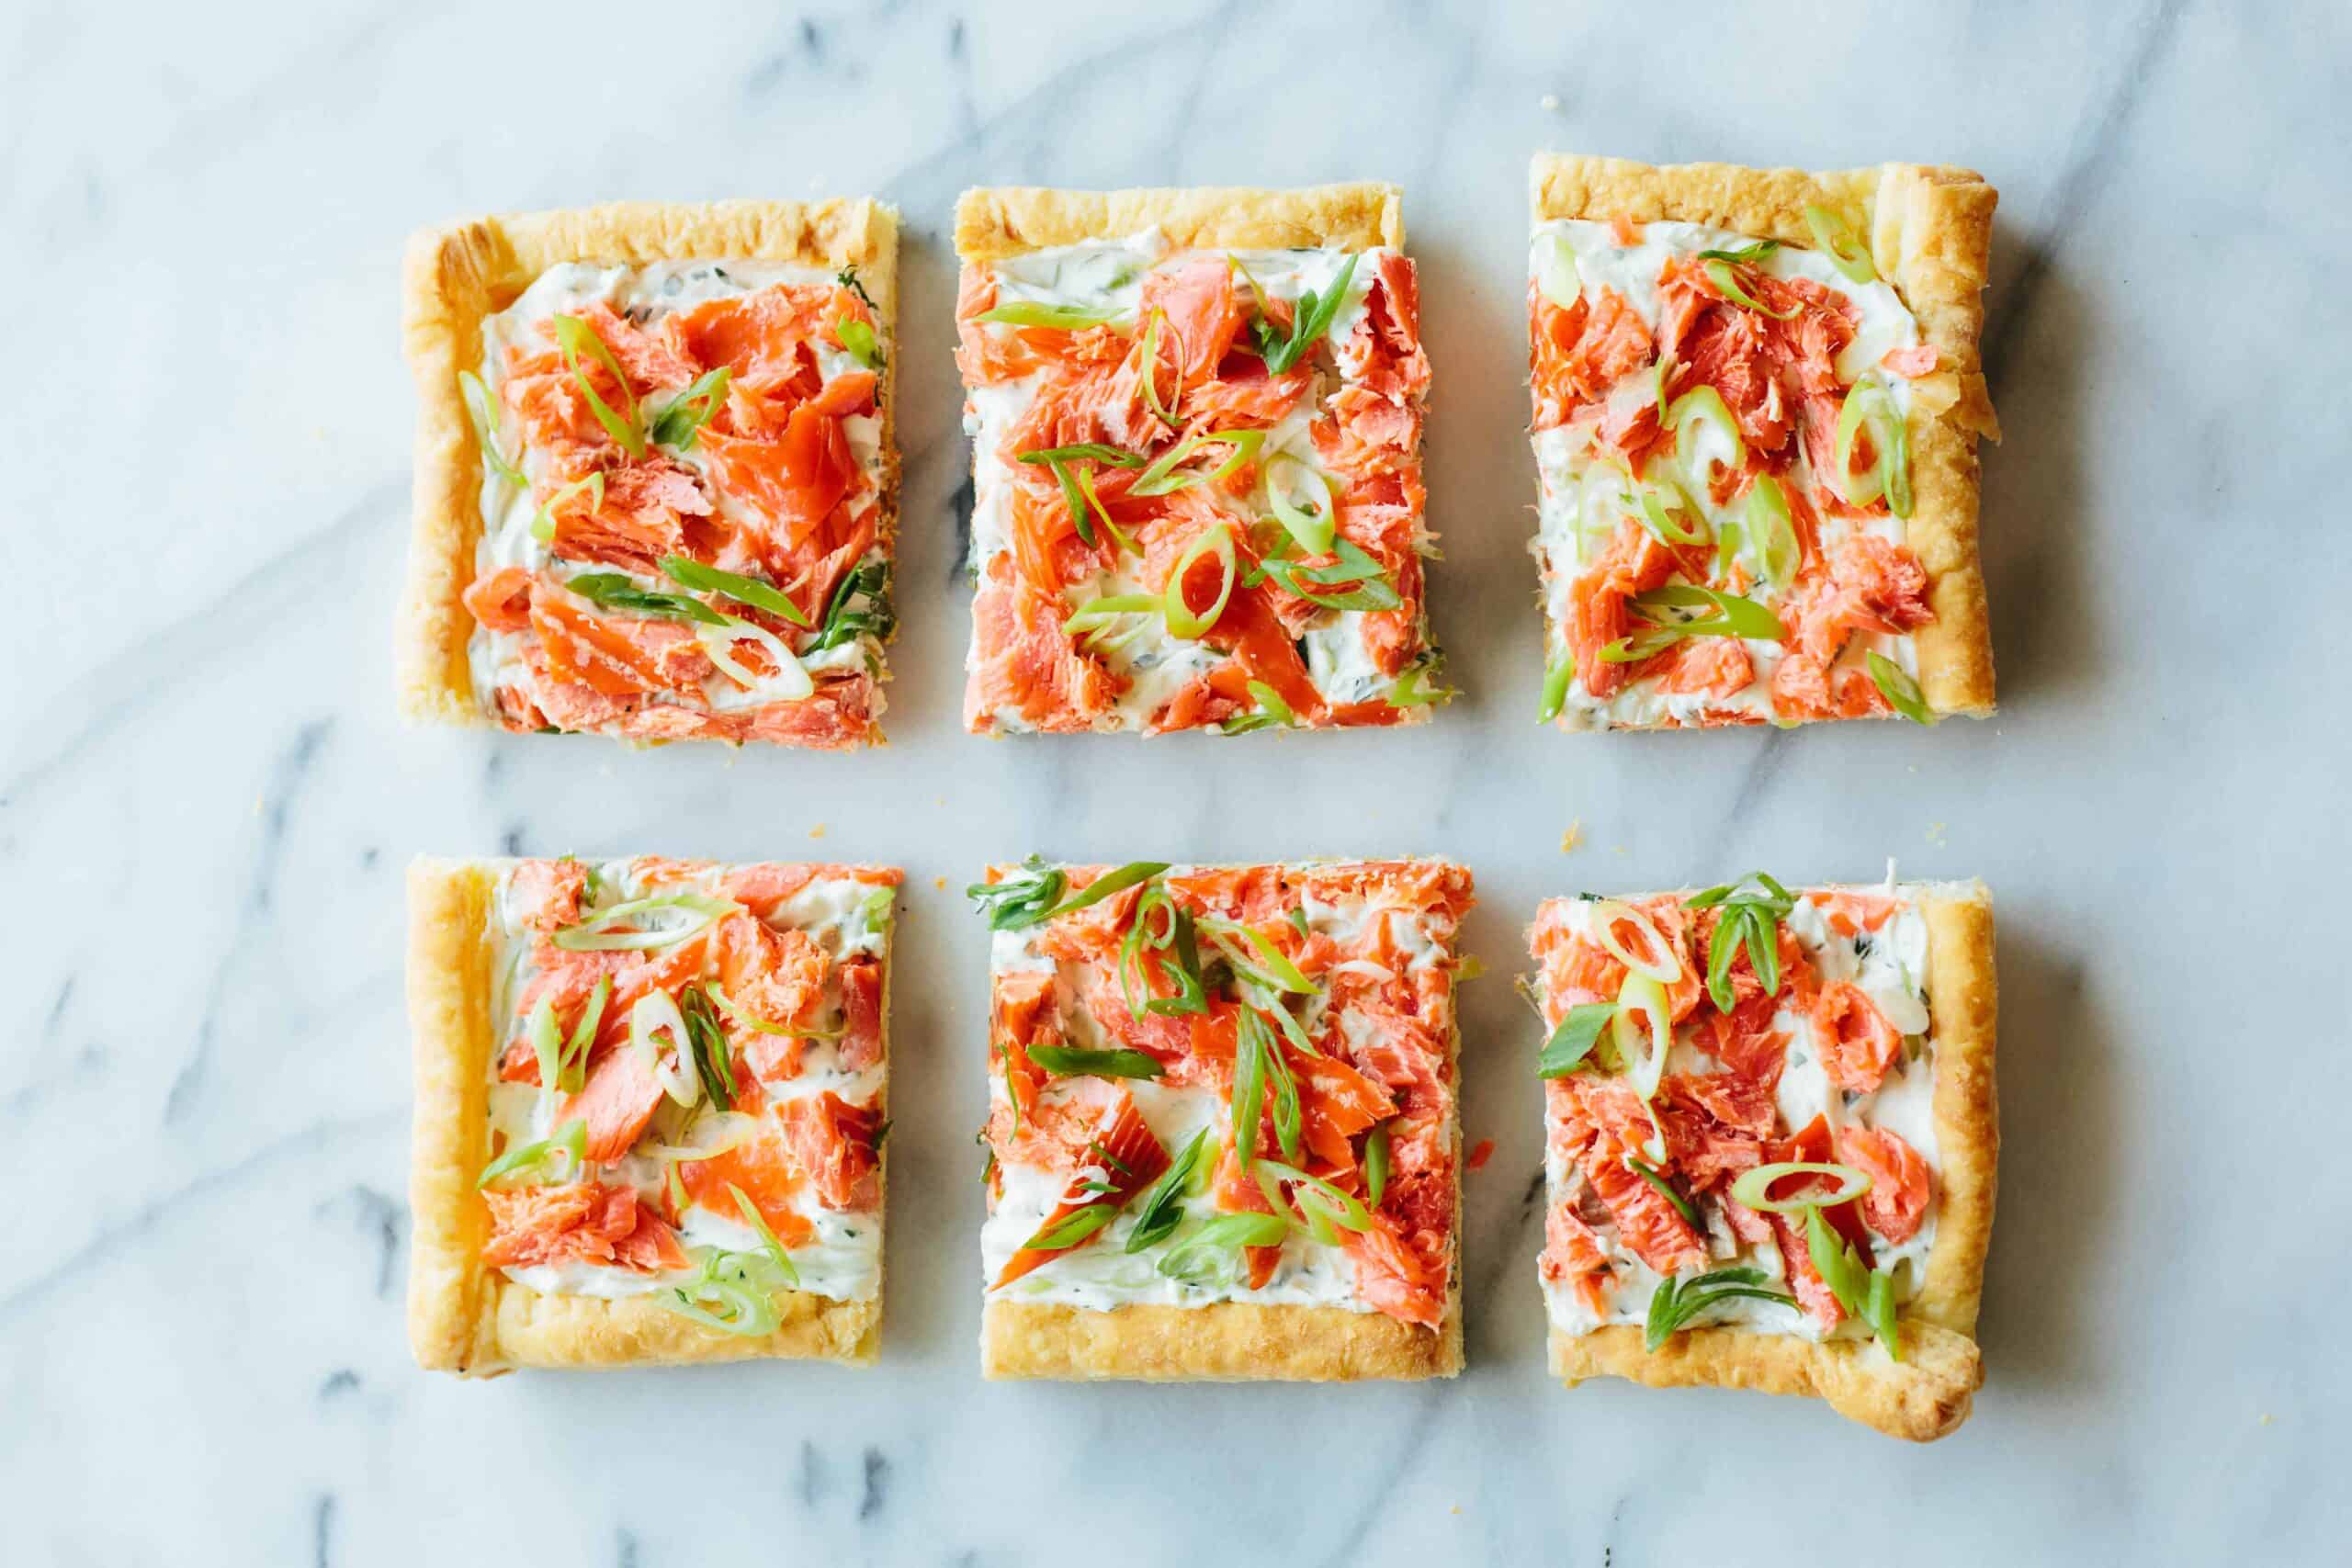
{"points": [[717, 1039], [1198, 487], [1225, 1084]]}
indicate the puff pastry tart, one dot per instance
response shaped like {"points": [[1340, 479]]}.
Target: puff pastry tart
{"points": [[1196, 454], [648, 1111], [656, 488], [1756, 403], [1223, 1133], [1769, 1141]]}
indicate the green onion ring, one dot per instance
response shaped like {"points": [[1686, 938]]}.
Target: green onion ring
{"points": [[1555, 686], [484, 410], [1606, 913], [1754, 1188], [1901, 691], [1557, 278], [1183, 622], [1037, 313], [1645, 1049], [1728, 284], [592, 935], [1662, 504], [1312, 523], [576, 336], [1836, 237], [1705, 405], [1771, 527]]}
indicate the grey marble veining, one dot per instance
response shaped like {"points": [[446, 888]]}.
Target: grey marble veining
{"points": [[206, 803]]}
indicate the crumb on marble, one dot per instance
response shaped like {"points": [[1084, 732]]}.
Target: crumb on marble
{"points": [[1573, 837], [1935, 834], [940, 883], [817, 831], [1550, 104]]}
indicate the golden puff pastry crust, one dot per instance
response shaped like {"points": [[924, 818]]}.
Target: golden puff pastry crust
{"points": [[1928, 1392], [991, 224], [459, 273], [465, 1318], [1929, 230]]}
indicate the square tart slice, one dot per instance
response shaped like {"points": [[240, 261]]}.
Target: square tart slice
{"points": [[656, 480], [648, 1111], [1756, 403], [1138, 1017], [1196, 460], [1770, 1142]]}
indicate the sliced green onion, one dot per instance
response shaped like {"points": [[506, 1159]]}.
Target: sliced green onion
{"points": [[1645, 1050], [1019, 900], [1770, 527], [727, 1130], [1211, 1251], [571, 1141], [1753, 251], [1074, 1061], [1271, 968], [1557, 278], [690, 574], [1094, 451], [1375, 1164], [1061, 1235], [571, 1062], [1103, 886], [1161, 1209], [1734, 616], [1878, 1310], [1271, 712], [1251, 1048], [484, 410], [1318, 1205], [789, 684], [1705, 406], [1728, 284], [758, 1221], [1037, 313], [1869, 403], [1864, 1293], [655, 1011], [1572, 1041], [1901, 691], [1311, 321], [547, 1045], [1666, 1191], [1161, 478], [1834, 236], [1096, 613], [1555, 686], [1754, 1188], [1670, 515], [844, 620], [618, 591], [1150, 375], [596, 935], [1085, 482], [1183, 622], [543, 521], [1372, 591], [858, 339], [1676, 1302], [1657, 959], [684, 415], [713, 1064], [1310, 524], [1417, 687], [577, 337]]}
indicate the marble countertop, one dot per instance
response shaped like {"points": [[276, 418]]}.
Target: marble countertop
{"points": [[206, 801]]}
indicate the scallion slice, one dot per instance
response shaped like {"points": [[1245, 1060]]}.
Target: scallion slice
{"points": [[1161, 478], [684, 415], [1677, 1301], [1670, 515], [595, 933], [1022, 899], [1557, 278], [1772, 528], [576, 337], [1148, 374], [1555, 686], [1728, 284], [1901, 691], [1161, 1208], [1836, 238], [1184, 622], [1310, 321], [1037, 313], [1317, 1204], [543, 521], [570, 1141], [1059, 1235], [618, 591], [758, 1221], [1868, 403], [1656, 961], [1375, 1164], [789, 684], [1704, 406], [1417, 687], [484, 410], [858, 339], [1572, 1041], [687, 572], [1734, 616], [674, 1072], [1209, 1253], [1644, 1049], [1754, 1188], [1656, 1179], [1075, 1061], [1301, 498], [1092, 451]]}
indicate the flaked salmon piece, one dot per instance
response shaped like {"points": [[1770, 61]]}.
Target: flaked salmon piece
{"points": [[1578, 353], [649, 362], [500, 600], [1395, 1276], [1572, 1253], [1201, 310], [762, 335], [1648, 1226], [769, 1171], [583, 1222], [1633, 563], [778, 976], [1127, 1157], [644, 515], [861, 1042], [1023, 660], [1849, 913], [614, 655], [1897, 1202], [1857, 1043], [617, 1101], [544, 895], [831, 1141], [1335, 1102]]}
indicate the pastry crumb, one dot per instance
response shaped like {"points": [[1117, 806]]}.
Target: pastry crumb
{"points": [[1573, 837], [1550, 104], [1935, 834], [940, 883], [817, 831]]}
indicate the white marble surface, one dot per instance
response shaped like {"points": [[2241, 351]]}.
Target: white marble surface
{"points": [[205, 801]]}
